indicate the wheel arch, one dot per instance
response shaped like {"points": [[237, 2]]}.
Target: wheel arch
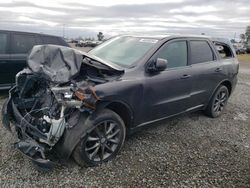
{"points": [[72, 136], [123, 110], [226, 83]]}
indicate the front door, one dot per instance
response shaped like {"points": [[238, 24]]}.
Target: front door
{"points": [[168, 92]]}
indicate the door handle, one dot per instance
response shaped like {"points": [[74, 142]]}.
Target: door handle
{"points": [[218, 69], [185, 76]]}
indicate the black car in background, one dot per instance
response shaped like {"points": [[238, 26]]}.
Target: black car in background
{"points": [[248, 48], [240, 49], [14, 48]]}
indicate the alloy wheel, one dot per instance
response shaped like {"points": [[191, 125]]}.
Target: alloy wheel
{"points": [[220, 101], [103, 141]]}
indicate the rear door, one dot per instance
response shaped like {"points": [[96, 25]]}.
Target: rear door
{"points": [[206, 71], [4, 59], [21, 44]]}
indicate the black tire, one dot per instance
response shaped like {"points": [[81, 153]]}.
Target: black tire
{"points": [[103, 142], [218, 102]]}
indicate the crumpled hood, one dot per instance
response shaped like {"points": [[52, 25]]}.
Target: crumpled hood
{"points": [[60, 64]]}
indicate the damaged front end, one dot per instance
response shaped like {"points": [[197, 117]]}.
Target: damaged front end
{"points": [[48, 98]]}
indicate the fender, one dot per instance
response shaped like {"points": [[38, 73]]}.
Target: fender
{"points": [[72, 136], [105, 104]]}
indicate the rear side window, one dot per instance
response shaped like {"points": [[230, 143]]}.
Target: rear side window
{"points": [[51, 40], [3, 43], [22, 44], [175, 53], [201, 52], [224, 50]]}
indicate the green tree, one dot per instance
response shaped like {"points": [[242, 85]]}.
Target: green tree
{"points": [[242, 37], [100, 36], [248, 33], [232, 41]]}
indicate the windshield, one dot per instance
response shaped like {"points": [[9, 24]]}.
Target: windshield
{"points": [[124, 51]]}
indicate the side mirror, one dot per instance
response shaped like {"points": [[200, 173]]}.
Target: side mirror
{"points": [[161, 64], [158, 65]]}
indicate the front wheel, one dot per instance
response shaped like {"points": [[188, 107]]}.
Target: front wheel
{"points": [[218, 102], [103, 142]]}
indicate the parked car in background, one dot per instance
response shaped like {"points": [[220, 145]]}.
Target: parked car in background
{"points": [[87, 43], [86, 106], [239, 48], [248, 48], [14, 48], [95, 43], [68, 40], [79, 43]]}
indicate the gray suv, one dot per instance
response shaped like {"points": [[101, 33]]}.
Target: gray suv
{"points": [[71, 103]]}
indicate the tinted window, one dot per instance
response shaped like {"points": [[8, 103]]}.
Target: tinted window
{"points": [[3, 43], [22, 44], [51, 40], [175, 53], [201, 52]]}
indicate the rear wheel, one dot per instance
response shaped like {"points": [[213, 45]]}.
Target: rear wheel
{"points": [[103, 142], [218, 102]]}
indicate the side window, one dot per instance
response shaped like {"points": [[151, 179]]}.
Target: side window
{"points": [[22, 44], [201, 52], [51, 40], [175, 53], [223, 50], [3, 42]]}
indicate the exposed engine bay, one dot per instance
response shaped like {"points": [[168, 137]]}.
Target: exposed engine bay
{"points": [[46, 106], [59, 83]]}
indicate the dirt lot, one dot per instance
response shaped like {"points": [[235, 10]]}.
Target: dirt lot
{"points": [[187, 151]]}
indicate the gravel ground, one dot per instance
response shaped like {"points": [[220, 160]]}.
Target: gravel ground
{"points": [[187, 151]]}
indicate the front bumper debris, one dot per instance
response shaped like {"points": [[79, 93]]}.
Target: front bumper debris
{"points": [[31, 138], [30, 148], [36, 152], [5, 115]]}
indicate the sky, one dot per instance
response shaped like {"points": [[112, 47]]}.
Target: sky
{"points": [[75, 18]]}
